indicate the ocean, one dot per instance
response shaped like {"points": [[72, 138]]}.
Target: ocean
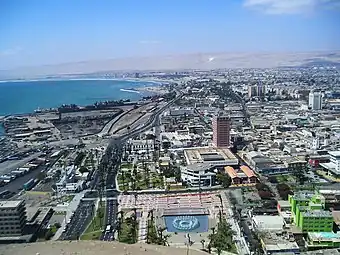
{"points": [[27, 96], [2, 130]]}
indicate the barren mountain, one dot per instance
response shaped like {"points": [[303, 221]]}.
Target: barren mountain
{"points": [[203, 61]]}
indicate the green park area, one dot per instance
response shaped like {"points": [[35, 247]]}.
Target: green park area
{"points": [[133, 177]]}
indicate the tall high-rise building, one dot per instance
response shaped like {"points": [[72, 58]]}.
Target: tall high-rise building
{"points": [[256, 90], [12, 217], [252, 91], [221, 131], [315, 100], [261, 90]]}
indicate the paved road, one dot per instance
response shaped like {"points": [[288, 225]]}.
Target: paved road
{"points": [[110, 163], [111, 212], [79, 221]]}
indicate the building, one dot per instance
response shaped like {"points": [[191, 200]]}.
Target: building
{"points": [[284, 209], [333, 167], [145, 145], [202, 164], [218, 157], [244, 176], [221, 131], [12, 217], [273, 235], [309, 214], [267, 223], [278, 243], [252, 91], [261, 90], [323, 240], [263, 164], [256, 91], [249, 173], [199, 174], [315, 100]]}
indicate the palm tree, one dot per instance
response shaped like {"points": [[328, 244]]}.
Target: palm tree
{"points": [[202, 242], [134, 225], [220, 198], [163, 239], [101, 216], [120, 216], [150, 214]]}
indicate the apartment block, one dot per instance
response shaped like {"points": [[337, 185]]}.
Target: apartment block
{"points": [[12, 217], [309, 214]]}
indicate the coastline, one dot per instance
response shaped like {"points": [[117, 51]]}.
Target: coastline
{"points": [[139, 87], [86, 79]]}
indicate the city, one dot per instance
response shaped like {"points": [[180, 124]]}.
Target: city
{"points": [[170, 127], [228, 161]]}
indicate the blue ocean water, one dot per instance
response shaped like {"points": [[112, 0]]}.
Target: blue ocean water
{"points": [[27, 96], [2, 130]]}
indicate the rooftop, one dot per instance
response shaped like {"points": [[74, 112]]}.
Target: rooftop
{"points": [[277, 241], [10, 203], [303, 196], [317, 213], [247, 171], [230, 171], [324, 236], [209, 154], [334, 153]]}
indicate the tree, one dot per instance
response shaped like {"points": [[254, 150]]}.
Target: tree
{"points": [[224, 180], [202, 242], [83, 169], [48, 235], [299, 171], [221, 202], [57, 225]]}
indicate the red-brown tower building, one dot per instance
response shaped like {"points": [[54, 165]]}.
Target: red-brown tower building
{"points": [[221, 131]]}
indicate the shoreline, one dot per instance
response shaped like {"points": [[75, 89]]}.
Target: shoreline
{"points": [[140, 87], [86, 79]]}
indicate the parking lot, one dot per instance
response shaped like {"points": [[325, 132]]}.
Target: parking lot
{"points": [[79, 221]]}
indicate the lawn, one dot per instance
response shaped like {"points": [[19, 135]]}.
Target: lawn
{"points": [[96, 226], [95, 235]]}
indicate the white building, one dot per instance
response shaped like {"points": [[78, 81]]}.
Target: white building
{"points": [[267, 223], [199, 172], [316, 143], [333, 166], [315, 100], [142, 145]]}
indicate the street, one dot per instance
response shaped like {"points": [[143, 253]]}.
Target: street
{"points": [[79, 221]]}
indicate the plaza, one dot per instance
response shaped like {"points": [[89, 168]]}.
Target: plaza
{"points": [[179, 213]]}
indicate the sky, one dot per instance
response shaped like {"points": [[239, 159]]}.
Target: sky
{"points": [[40, 32]]}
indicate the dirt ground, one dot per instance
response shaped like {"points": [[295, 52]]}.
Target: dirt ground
{"points": [[91, 247]]}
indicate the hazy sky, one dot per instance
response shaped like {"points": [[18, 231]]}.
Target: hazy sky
{"points": [[36, 32]]}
